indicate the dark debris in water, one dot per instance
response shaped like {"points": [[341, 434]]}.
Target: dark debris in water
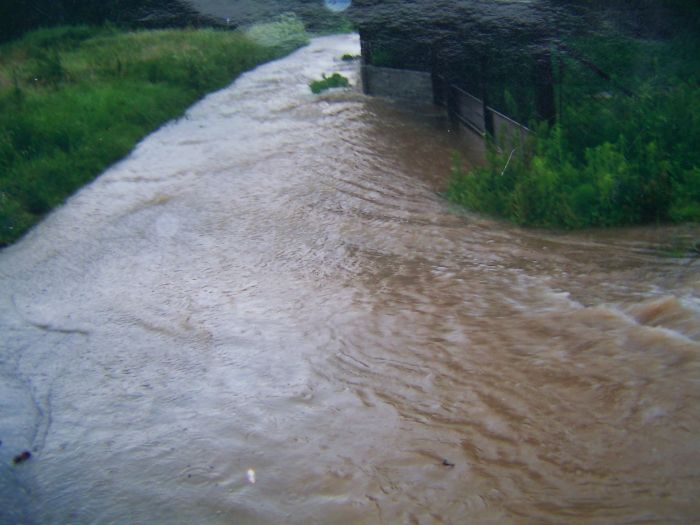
{"points": [[21, 458]]}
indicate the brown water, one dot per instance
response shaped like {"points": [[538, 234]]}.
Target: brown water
{"points": [[267, 314]]}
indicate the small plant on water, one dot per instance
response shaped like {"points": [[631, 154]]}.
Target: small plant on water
{"points": [[336, 80]]}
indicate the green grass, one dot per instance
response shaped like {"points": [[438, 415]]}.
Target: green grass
{"points": [[74, 100], [614, 158], [336, 80]]}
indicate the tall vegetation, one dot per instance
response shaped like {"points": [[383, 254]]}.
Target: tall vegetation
{"points": [[624, 150], [73, 100]]}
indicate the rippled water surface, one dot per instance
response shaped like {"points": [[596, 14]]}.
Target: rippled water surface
{"points": [[267, 314]]}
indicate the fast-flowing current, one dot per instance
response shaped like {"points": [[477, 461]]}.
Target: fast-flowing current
{"points": [[268, 314]]}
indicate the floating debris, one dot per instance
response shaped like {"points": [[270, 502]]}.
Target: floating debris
{"points": [[21, 458]]}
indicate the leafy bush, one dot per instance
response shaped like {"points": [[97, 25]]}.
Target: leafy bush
{"points": [[614, 158], [336, 80]]}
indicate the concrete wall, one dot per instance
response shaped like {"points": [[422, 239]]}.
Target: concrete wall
{"points": [[404, 84]]}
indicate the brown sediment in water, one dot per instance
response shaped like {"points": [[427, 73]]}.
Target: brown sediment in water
{"points": [[303, 304]]}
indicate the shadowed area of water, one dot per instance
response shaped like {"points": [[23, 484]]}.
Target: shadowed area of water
{"points": [[273, 284]]}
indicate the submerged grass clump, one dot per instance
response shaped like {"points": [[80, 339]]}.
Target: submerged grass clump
{"points": [[74, 100], [336, 80]]}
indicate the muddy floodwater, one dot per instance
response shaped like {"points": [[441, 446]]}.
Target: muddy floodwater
{"points": [[268, 314]]}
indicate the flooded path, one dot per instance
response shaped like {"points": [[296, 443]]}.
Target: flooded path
{"points": [[267, 314]]}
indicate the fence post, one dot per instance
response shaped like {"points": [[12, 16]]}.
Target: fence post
{"points": [[366, 55]]}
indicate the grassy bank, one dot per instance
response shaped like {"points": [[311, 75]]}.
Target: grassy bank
{"points": [[624, 150], [74, 100]]}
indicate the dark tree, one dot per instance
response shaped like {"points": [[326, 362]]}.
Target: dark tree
{"points": [[19, 16]]}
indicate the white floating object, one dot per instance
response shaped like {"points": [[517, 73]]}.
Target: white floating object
{"points": [[338, 5]]}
